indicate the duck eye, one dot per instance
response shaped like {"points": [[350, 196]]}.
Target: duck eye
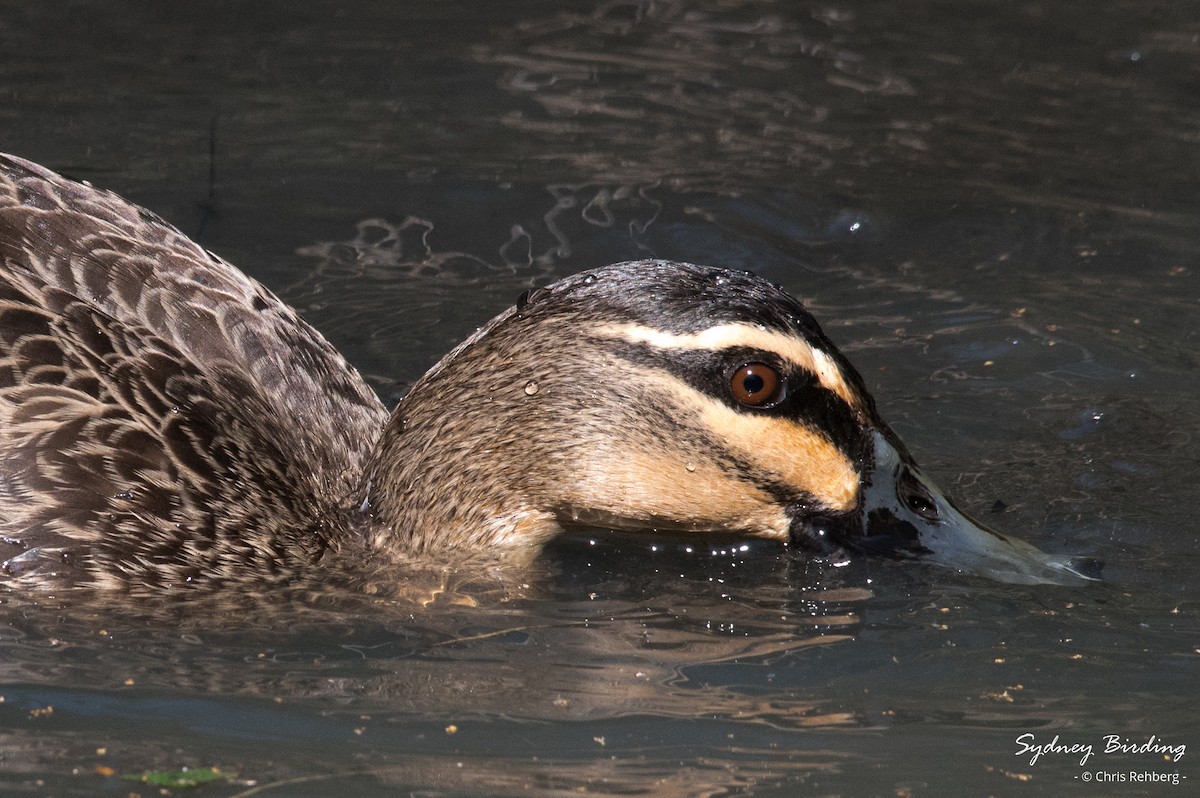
{"points": [[755, 385]]}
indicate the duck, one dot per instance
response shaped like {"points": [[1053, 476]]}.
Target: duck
{"points": [[167, 422]]}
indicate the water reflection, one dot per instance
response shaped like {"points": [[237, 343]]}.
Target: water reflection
{"points": [[450, 662], [655, 82], [731, 95]]}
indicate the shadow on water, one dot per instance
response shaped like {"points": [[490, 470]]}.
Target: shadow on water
{"points": [[401, 671], [703, 669]]}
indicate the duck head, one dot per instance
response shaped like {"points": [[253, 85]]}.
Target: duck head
{"points": [[657, 395]]}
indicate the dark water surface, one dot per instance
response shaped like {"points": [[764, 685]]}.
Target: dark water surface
{"points": [[991, 206]]}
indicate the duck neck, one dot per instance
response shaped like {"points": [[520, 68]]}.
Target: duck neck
{"points": [[443, 481]]}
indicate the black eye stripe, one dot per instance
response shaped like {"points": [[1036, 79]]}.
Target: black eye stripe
{"points": [[805, 399]]}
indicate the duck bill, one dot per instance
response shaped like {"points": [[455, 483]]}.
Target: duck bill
{"points": [[904, 515]]}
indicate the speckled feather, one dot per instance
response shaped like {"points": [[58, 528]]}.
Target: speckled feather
{"points": [[166, 421], [162, 415]]}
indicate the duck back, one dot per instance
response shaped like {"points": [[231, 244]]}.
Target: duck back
{"points": [[164, 419]]}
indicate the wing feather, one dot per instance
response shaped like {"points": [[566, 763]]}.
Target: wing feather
{"points": [[163, 417]]}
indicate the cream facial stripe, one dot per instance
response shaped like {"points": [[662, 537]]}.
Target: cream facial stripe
{"points": [[791, 452], [726, 336]]}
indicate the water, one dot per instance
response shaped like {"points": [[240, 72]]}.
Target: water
{"points": [[990, 206]]}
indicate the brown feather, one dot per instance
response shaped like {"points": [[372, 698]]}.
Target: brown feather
{"points": [[164, 417]]}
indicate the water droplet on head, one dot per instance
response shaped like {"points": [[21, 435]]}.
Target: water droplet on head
{"points": [[591, 278], [531, 388], [690, 467]]}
